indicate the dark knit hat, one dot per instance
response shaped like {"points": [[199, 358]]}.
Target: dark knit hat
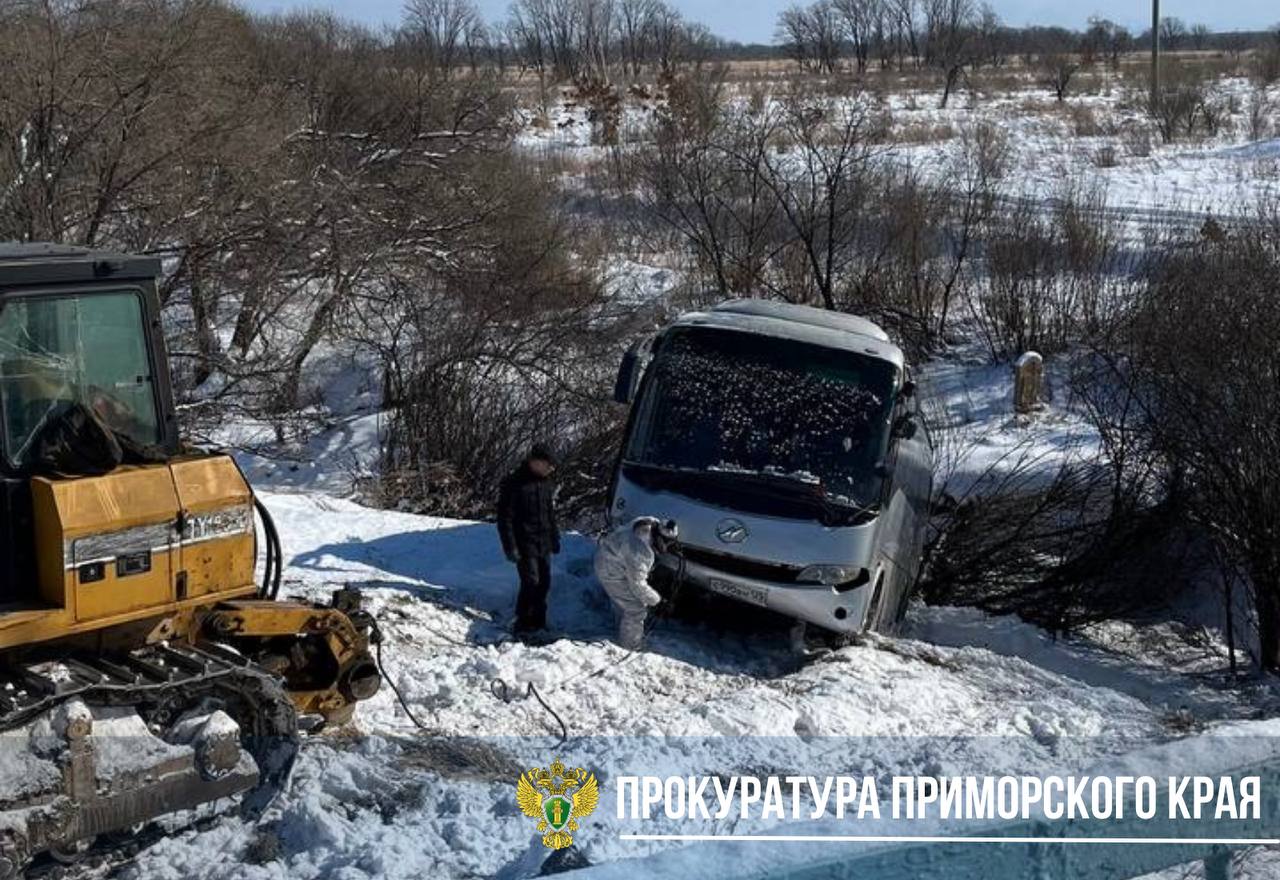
{"points": [[542, 452]]}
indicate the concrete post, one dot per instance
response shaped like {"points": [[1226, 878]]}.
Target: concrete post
{"points": [[1028, 382]]}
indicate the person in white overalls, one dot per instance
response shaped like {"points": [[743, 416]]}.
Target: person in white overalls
{"points": [[624, 559]]}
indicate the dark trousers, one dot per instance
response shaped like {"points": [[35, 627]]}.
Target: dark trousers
{"points": [[535, 582]]}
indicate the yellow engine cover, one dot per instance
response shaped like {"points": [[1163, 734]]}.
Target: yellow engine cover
{"points": [[87, 528], [137, 542]]}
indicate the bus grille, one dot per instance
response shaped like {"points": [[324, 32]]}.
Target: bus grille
{"points": [[743, 567]]}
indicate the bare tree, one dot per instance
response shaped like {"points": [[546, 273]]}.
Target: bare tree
{"points": [[1200, 34], [812, 35], [101, 102], [1057, 68], [700, 181], [596, 30], [449, 29], [1172, 33], [822, 186], [862, 23], [951, 43], [906, 33], [636, 19]]}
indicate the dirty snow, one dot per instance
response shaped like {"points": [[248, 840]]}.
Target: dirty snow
{"points": [[960, 693]]}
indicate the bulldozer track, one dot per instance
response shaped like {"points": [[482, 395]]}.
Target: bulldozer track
{"points": [[163, 680], [27, 691]]}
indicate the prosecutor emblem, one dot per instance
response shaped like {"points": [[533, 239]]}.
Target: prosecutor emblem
{"points": [[557, 797]]}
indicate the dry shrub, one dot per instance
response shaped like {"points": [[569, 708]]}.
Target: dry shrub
{"points": [[1137, 141], [1049, 279], [923, 133], [1037, 107], [1260, 110], [1105, 156], [1055, 546], [1188, 106], [604, 109], [1266, 62], [1085, 122]]}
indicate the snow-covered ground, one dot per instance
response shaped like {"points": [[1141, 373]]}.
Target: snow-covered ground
{"points": [[958, 692]]}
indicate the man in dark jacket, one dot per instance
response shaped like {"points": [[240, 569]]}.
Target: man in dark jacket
{"points": [[527, 527]]}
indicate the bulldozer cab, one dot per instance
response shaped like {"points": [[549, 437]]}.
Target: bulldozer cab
{"points": [[80, 335]]}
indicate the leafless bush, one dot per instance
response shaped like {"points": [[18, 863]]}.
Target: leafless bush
{"points": [[905, 272], [1137, 141], [1057, 69], [1049, 276], [1204, 364], [1186, 104], [1105, 156], [1219, 116], [1053, 559], [503, 347], [1180, 389], [1048, 534], [923, 133], [795, 200], [604, 110], [1085, 122], [1260, 110]]}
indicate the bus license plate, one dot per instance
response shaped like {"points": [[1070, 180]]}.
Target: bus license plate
{"points": [[754, 595]]}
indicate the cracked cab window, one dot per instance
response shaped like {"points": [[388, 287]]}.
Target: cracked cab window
{"points": [[58, 350]]}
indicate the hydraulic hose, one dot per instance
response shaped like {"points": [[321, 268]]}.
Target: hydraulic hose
{"points": [[273, 572]]}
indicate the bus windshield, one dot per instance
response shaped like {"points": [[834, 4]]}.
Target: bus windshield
{"points": [[720, 401], [60, 350]]}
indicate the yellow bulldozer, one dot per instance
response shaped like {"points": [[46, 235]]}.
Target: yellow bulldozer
{"points": [[147, 663]]}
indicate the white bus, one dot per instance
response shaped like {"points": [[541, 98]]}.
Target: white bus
{"points": [[787, 444]]}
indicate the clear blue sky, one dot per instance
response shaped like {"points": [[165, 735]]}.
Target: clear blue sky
{"points": [[753, 20]]}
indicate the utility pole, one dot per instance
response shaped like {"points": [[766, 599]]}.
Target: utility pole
{"points": [[1155, 55]]}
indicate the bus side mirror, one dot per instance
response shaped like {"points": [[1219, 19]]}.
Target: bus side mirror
{"points": [[631, 371], [628, 377], [908, 389]]}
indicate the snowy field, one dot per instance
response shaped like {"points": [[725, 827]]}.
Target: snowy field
{"points": [[1100, 141]]}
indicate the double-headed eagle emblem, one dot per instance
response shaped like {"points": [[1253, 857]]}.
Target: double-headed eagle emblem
{"points": [[557, 797]]}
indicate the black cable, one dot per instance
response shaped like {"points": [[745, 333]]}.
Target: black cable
{"points": [[499, 689], [375, 636], [564, 730]]}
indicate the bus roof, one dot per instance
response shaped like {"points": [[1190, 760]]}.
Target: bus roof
{"points": [[800, 323]]}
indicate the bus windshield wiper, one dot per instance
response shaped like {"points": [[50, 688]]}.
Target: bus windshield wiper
{"points": [[834, 509]]}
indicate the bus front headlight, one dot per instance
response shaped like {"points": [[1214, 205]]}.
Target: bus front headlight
{"points": [[846, 576]]}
